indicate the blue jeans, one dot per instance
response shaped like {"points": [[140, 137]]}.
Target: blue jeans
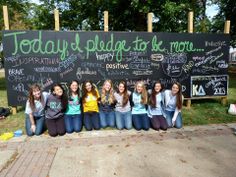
{"points": [[178, 122], [123, 120], [39, 123], [73, 123], [107, 119], [141, 121], [91, 121]]}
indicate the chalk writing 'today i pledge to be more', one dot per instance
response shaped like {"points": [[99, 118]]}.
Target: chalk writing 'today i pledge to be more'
{"points": [[95, 44]]}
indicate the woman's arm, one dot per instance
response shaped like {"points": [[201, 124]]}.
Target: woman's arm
{"points": [[177, 111], [32, 122]]}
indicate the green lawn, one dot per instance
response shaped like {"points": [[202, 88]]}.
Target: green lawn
{"points": [[206, 111], [211, 111], [13, 122]]}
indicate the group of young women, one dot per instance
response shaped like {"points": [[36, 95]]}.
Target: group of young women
{"points": [[141, 109]]}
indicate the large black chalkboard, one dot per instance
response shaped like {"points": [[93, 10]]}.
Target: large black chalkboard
{"points": [[46, 57]]}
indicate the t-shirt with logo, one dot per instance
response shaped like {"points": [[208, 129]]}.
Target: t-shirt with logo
{"points": [[73, 106], [54, 107], [39, 106], [91, 103], [138, 107]]}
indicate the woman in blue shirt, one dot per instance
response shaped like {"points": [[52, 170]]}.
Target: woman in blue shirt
{"points": [[73, 118], [139, 101]]}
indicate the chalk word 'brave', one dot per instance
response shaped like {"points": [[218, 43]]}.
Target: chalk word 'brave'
{"points": [[13, 72]]}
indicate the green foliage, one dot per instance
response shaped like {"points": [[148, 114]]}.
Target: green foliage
{"points": [[227, 11], [19, 14], [124, 15]]}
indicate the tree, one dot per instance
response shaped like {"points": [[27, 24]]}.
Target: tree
{"points": [[227, 11], [124, 15], [18, 13]]}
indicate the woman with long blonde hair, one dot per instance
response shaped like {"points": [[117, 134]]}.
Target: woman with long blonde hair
{"points": [[107, 104], [139, 102]]}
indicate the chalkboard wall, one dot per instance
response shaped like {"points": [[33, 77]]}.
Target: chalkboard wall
{"points": [[198, 61]]}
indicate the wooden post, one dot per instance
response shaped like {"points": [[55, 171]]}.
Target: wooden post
{"points": [[190, 30], [106, 21], [227, 27], [226, 31], [6, 25], [190, 22], [149, 28], [56, 18], [188, 104], [6, 19]]}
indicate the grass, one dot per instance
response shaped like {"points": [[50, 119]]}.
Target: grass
{"points": [[12, 122], [205, 111], [211, 111]]}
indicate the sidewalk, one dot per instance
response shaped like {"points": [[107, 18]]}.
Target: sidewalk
{"points": [[207, 151]]}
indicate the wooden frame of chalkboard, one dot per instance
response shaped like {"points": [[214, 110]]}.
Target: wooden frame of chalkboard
{"points": [[46, 57]]}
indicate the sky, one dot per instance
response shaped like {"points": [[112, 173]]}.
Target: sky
{"points": [[212, 10]]}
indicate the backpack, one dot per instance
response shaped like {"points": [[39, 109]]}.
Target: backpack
{"points": [[4, 111]]}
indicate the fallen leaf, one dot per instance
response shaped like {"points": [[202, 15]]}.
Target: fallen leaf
{"points": [[183, 161]]}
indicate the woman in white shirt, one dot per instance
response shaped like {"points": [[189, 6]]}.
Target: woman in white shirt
{"points": [[35, 111], [173, 101]]}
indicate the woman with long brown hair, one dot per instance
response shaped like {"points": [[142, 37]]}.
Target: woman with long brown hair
{"points": [[122, 107], [173, 105], [90, 99], [73, 117], [55, 110], [155, 107], [35, 111]]}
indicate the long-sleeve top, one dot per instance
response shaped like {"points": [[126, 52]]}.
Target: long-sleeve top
{"points": [[170, 103], [39, 106], [54, 108], [119, 101], [158, 109]]}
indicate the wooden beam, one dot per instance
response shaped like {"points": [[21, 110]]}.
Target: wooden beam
{"points": [[149, 28], [6, 26], [188, 103], [5, 17], [56, 18], [190, 30], [105, 13], [190, 22], [226, 31], [227, 27]]}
